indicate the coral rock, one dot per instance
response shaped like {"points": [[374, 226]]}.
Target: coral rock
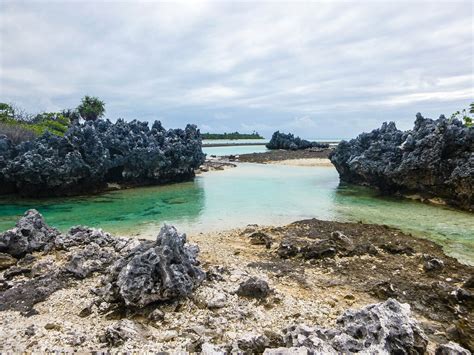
{"points": [[155, 271]]}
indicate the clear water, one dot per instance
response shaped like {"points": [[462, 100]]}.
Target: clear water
{"points": [[250, 193], [233, 141], [234, 150]]}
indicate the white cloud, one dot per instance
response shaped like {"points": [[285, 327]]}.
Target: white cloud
{"points": [[343, 65]]}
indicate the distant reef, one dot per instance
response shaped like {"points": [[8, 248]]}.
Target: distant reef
{"points": [[434, 159], [289, 141], [95, 153]]}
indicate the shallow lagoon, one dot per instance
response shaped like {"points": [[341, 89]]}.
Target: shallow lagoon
{"points": [[250, 193]]}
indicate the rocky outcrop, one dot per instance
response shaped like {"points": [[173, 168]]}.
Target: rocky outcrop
{"points": [[289, 141], [434, 159], [158, 271], [95, 153], [137, 272]]}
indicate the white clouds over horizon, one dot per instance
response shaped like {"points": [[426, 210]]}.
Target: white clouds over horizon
{"points": [[320, 69]]}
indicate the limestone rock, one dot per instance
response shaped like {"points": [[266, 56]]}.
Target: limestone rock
{"points": [[30, 234], [95, 153], [155, 271], [434, 159], [379, 328]]}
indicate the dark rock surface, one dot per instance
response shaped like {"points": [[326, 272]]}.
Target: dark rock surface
{"points": [[138, 272], [155, 271], [434, 159], [30, 234], [289, 141], [95, 153], [254, 288]]}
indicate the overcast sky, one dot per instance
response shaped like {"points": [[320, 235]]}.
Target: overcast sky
{"points": [[318, 69]]}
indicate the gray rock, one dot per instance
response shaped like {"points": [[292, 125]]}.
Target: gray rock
{"points": [[251, 344], [289, 141], [433, 264], [434, 159], [155, 271], [30, 234], [383, 328], [254, 288], [92, 258], [121, 331], [95, 153], [451, 348]]}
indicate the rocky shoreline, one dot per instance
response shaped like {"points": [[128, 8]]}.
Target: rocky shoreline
{"points": [[259, 289], [95, 154], [433, 160]]}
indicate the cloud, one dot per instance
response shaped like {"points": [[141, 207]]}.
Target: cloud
{"points": [[327, 68]]}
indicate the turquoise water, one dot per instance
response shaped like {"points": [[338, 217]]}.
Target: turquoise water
{"points": [[250, 193], [234, 150]]}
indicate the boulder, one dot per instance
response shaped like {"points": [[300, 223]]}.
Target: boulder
{"points": [[30, 234], [434, 159], [378, 328], [254, 288], [155, 271]]}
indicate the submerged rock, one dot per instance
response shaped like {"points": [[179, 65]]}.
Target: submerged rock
{"points": [[289, 141], [155, 271], [434, 159], [95, 153], [30, 234]]}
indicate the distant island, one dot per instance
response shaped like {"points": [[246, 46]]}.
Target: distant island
{"points": [[234, 135]]}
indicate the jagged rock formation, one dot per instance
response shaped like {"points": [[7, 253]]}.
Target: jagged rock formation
{"points": [[382, 328], [434, 159], [158, 271], [137, 272], [99, 152], [289, 141], [30, 234]]}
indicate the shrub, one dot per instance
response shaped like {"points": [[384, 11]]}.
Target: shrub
{"points": [[16, 133], [91, 108]]}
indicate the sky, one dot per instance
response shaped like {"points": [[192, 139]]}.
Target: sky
{"points": [[320, 69]]}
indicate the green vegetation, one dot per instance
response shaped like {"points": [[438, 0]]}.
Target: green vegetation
{"points": [[234, 135], [465, 115], [91, 108], [20, 126]]}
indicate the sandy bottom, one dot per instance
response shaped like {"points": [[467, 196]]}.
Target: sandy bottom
{"points": [[304, 162]]}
